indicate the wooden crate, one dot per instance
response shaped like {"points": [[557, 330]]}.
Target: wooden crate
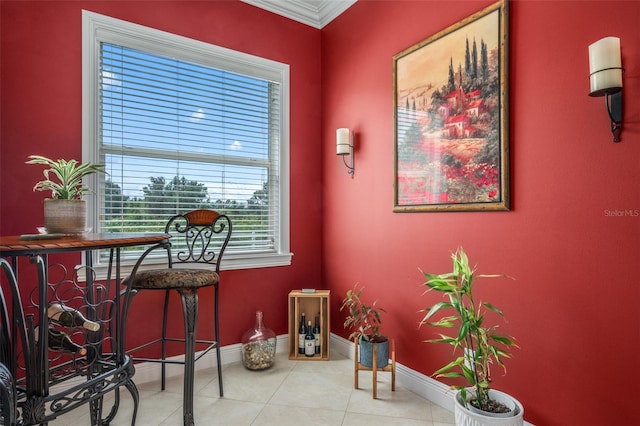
{"points": [[311, 304]]}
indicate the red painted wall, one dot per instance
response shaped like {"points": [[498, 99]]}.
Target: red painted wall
{"points": [[573, 305], [41, 114]]}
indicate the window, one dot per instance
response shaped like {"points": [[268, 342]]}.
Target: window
{"points": [[182, 124]]}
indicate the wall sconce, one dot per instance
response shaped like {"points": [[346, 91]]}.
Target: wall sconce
{"points": [[344, 147], [605, 77]]}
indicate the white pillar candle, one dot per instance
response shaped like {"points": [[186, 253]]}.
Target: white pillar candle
{"points": [[342, 141], [603, 54]]}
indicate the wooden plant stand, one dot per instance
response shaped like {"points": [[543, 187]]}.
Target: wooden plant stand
{"points": [[389, 367]]}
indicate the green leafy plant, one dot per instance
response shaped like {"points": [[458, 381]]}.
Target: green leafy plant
{"points": [[363, 319], [69, 176], [480, 344]]}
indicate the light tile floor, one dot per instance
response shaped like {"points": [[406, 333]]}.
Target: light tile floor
{"points": [[289, 393]]}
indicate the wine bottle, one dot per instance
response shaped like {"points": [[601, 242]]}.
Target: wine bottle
{"points": [[301, 333], [316, 333], [60, 341], [69, 317], [309, 342]]}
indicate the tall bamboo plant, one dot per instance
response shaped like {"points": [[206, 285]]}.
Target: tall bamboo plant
{"points": [[68, 173], [478, 344]]}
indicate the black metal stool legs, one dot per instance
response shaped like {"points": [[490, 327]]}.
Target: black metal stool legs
{"points": [[217, 339], [190, 311], [165, 314]]}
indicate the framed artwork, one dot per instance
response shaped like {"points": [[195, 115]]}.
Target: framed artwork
{"points": [[451, 118]]}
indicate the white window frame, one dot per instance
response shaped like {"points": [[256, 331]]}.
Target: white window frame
{"points": [[98, 28]]}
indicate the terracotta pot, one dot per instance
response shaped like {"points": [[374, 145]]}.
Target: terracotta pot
{"points": [[65, 216]]}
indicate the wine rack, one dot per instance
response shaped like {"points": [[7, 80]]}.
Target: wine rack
{"points": [[312, 304], [50, 383]]}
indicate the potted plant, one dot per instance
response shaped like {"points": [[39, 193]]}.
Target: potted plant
{"points": [[65, 212], [365, 321], [476, 344]]}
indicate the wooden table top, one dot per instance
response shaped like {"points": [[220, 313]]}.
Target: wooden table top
{"points": [[30, 244]]}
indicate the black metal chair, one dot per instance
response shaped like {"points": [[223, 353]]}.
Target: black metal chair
{"points": [[198, 241]]}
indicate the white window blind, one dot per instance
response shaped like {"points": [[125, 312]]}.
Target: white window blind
{"points": [[181, 126]]}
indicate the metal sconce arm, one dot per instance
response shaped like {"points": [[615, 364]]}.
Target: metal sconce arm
{"points": [[614, 109], [351, 164]]}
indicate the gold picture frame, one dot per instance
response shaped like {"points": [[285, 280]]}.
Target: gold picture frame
{"points": [[451, 130]]}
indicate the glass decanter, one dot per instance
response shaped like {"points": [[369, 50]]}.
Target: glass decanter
{"points": [[258, 346]]}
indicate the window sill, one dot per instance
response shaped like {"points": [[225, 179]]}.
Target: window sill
{"points": [[230, 262]]}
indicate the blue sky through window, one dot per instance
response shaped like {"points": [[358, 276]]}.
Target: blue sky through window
{"points": [[166, 117]]}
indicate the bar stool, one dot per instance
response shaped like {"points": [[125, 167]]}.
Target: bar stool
{"points": [[194, 239]]}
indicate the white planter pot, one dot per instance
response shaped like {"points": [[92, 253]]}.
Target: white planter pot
{"points": [[65, 216], [467, 417]]}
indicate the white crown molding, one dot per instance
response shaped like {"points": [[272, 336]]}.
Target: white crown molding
{"points": [[315, 13]]}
